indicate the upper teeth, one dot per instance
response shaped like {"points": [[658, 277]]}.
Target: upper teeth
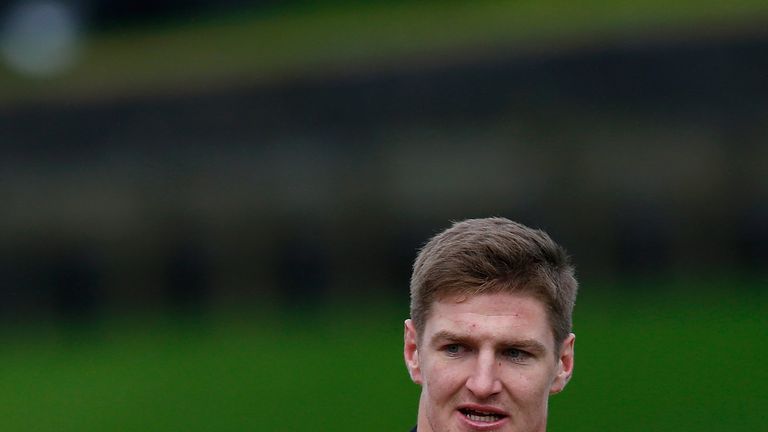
{"points": [[484, 417]]}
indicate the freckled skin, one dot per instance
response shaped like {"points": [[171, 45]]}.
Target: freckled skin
{"points": [[482, 372]]}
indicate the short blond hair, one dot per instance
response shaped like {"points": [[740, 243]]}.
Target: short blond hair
{"points": [[492, 255]]}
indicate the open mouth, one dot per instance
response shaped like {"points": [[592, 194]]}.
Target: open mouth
{"points": [[481, 416]]}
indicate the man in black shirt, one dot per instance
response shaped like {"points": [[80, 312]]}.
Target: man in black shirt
{"points": [[489, 338]]}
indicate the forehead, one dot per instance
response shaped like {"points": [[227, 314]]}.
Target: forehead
{"points": [[496, 315]]}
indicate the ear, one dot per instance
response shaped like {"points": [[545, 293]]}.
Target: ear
{"points": [[411, 352], [564, 368]]}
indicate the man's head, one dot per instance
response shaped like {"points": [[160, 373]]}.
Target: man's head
{"points": [[493, 255], [489, 337]]}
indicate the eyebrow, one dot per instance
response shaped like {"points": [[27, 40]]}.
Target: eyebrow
{"points": [[527, 344]]}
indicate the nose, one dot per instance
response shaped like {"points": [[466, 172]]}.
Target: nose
{"points": [[484, 382]]}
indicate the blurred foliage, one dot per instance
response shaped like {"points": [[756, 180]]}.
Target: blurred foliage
{"points": [[653, 360]]}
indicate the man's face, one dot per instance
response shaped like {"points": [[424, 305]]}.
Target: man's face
{"points": [[486, 363]]}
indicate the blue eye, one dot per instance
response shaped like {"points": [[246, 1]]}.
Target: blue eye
{"points": [[516, 354], [453, 349]]}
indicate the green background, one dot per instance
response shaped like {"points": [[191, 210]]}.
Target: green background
{"points": [[668, 354], [646, 360]]}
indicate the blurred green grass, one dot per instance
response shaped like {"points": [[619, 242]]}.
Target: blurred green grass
{"points": [[326, 39], [691, 362]]}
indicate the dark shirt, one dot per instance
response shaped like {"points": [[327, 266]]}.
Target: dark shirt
{"points": [[414, 429]]}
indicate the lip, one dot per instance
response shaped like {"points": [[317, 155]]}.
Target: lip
{"points": [[482, 426]]}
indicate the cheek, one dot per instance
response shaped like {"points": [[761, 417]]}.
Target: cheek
{"points": [[529, 385], [443, 380]]}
